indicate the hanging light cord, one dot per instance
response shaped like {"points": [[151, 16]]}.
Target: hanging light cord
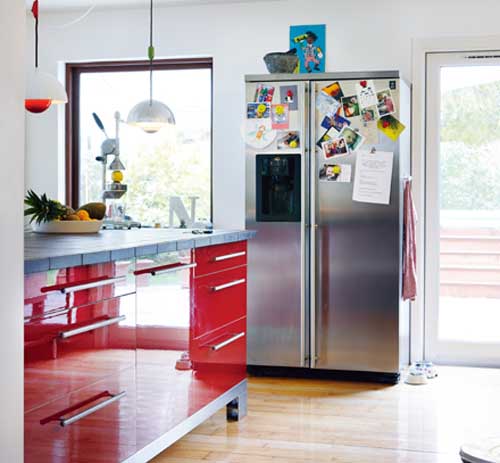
{"points": [[34, 11], [151, 53]]}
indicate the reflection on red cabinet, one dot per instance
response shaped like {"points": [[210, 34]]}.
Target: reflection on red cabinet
{"points": [[219, 299], [76, 347], [212, 259], [95, 424], [45, 292]]}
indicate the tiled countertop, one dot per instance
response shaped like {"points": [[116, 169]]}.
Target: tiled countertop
{"points": [[46, 252]]}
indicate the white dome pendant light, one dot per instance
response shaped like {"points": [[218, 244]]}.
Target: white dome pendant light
{"points": [[150, 115], [42, 89]]}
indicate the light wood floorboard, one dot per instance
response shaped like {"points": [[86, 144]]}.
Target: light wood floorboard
{"points": [[297, 420]]}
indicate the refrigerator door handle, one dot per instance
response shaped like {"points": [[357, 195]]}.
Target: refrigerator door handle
{"points": [[314, 225]]}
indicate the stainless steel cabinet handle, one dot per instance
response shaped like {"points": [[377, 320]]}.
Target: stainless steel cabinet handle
{"points": [[94, 284], [229, 256], [173, 269], [67, 421], [226, 342], [228, 285], [92, 326]]}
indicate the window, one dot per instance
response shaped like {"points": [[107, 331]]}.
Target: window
{"points": [[171, 163]]}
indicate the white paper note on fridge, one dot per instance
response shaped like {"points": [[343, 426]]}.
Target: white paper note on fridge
{"points": [[372, 178]]}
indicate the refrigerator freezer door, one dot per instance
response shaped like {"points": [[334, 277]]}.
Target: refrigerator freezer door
{"points": [[355, 257], [276, 209]]}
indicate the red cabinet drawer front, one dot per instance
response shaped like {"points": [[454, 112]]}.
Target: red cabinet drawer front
{"points": [[56, 289], [163, 301], [218, 299], [212, 259], [77, 347], [223, 351], [107, 435]]}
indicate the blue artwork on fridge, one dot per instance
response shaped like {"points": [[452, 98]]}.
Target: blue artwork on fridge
{"points": [[310, 43]]}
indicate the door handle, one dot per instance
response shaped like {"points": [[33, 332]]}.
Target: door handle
{"points": [[91, 285], [88, 411], [229, 256], [165, 269], [228, 285], [91, 327], [225, 343]]}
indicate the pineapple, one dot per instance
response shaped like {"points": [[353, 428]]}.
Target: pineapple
{"points": [[43, 209]]}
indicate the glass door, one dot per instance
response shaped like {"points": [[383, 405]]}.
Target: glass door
{"points": [[463, 209]]}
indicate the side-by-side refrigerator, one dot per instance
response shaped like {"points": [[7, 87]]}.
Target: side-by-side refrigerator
{"points": [[324, 271]]}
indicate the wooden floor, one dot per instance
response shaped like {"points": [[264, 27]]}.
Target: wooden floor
{"points": [[325, 421]]}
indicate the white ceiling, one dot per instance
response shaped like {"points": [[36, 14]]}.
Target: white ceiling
{"points": [[65, 5]]}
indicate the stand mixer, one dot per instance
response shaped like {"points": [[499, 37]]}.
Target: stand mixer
{"points": [[115, 216]]}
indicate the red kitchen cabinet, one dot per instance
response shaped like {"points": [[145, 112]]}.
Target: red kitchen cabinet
{"points": [[212, 259], [73, 348]]}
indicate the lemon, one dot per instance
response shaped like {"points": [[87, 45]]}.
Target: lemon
{"points": [[117, 176]]}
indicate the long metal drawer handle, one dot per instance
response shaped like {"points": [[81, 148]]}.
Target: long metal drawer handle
{"points": [[228, 285], [67, 421], [226, 342], [94, 284], [173, 269], [91, 327], [229, 256]]}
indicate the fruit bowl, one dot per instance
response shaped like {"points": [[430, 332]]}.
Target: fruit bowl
{"points": [[68, 226]]}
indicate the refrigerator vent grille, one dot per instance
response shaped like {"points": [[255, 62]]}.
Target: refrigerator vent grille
{"points": [[482, 56]]}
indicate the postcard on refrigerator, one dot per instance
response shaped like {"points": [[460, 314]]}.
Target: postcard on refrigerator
{"points": [[366, 92], [328, 135], [353, 138], [280, 116], [264, 93], [335, 173], [288, 140], [258, 133], [385, 103], [334, 148], [334, 90], [391, 127], [326, 104], [373, 177], [350, 105], [289, 96], [258, 110]]}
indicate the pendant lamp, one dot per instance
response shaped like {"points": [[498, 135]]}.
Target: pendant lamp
{"points": [[42, 89], [150, 115]]}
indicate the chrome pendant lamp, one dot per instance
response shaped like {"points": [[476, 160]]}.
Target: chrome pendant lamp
{"points": [[151, 115], [42, 89]]}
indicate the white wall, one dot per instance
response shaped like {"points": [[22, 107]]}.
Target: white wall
{"points": [[362, 35], [11, 228]]}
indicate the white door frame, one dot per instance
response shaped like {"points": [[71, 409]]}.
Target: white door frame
{"points": [[421, 48]]}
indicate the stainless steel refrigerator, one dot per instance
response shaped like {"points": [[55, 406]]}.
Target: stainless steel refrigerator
{"points": [[325, 272]]}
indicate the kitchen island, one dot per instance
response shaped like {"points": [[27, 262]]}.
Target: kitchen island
{"points": [[132, 339]]}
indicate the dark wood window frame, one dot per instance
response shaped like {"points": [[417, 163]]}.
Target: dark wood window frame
{"points": [[73, 75]]}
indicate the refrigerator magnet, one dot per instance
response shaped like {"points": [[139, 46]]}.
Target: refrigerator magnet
{"points": [[289, 96], [258, 110], [288, 140], [280, 116], [341, 173], [385, 103]]}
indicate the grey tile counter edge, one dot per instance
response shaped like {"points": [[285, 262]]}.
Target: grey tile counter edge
{"points": [[88, 258]]}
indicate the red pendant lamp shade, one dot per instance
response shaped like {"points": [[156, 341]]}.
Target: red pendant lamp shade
{"points": [[42, 89]]}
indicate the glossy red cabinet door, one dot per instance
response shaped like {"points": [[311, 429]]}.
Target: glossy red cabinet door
{"points": [[76, 347], [45, 292], [223, 351], [164, 284], [212, 259], [218, 299], [95, 424]]}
